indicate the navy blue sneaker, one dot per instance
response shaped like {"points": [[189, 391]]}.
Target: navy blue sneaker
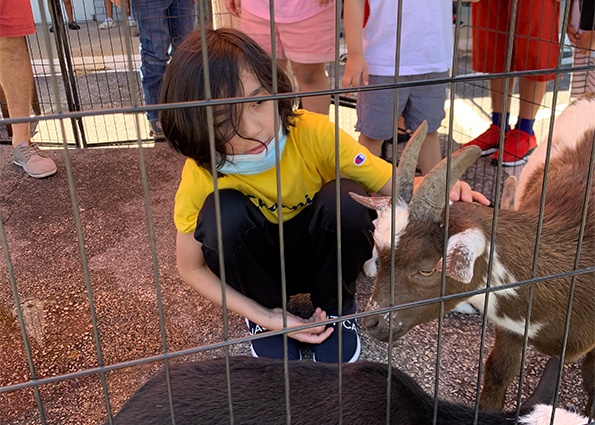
{"points": [[272, 347], [328, 350]]}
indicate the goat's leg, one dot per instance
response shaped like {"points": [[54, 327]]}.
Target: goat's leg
{"points": [[501, 367], [588, 371]]}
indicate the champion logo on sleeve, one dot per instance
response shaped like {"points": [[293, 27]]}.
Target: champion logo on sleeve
{"points": [[359, 159]]}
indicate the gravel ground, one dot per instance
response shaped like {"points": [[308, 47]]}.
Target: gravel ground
{"points": [[52, 276]]}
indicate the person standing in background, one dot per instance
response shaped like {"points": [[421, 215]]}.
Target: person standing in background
{"points": [[304, 40], [162, 25], [581, 32], [69, 15], [426, 53], [109, 11], [535, 46], [16, 79]]}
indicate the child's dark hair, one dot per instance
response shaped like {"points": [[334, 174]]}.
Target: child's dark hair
{"points": [[230, 52]]}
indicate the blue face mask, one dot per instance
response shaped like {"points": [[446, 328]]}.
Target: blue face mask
{"points": [[254, 163]]}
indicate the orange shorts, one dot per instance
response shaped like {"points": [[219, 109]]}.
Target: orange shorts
{"points": [[535, 43], [16, 18]]}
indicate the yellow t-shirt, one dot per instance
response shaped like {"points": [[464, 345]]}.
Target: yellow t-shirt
{"points": [[307, 163]]}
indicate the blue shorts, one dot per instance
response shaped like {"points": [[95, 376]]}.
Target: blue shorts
{"points": [[416, 104]]}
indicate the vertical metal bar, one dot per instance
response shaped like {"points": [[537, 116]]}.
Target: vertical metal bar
{"points": [[21, 319], [538, 235], [278, 183], [446, 219], [393, 224], [217, 199], [504, 108], [338, 211], [580, 238], [65, 60]]}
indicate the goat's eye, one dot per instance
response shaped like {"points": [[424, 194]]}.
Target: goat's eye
{"points": [[427, 273]]}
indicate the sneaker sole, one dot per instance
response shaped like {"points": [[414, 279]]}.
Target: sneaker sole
{"points": [[520, 161], [488, 151], [37, 176]]}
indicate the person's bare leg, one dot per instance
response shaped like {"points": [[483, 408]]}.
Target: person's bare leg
{"points": [[126, 7], [373, 145], [109, 9], [17, 82], [401, 125], [68, 7], [312, 77], [497, 94], [531, 95], [430, 154]]}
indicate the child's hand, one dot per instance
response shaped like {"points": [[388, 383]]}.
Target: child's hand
{"points": [[573, 34], [356, 71], [311, 335], [234, 7], [585, 41], [461, 191]]}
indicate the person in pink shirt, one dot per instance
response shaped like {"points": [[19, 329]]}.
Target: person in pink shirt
{"points": [[304, 39]]}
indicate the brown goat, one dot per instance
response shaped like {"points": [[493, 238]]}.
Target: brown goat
{"points": [[419, 238]]}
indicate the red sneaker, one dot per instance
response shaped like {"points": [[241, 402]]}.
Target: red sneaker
{"points": [[488, 141], [518, 145]]}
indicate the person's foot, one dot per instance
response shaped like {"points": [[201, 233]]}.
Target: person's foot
{"points": [[272, 347], [328, 350], [28, 156], [131, 22], [73, 26], [518, 145], [156, 131], [488, 141], [107, 24]]}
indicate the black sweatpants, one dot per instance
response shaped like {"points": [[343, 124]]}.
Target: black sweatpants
{"points": [[251, 247]]}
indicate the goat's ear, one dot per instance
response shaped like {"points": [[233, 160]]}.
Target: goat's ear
{"points": [[545, 392], [379, 203], [463, 249]]}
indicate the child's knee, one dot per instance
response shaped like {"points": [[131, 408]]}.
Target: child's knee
{"points": [[234, 213], [353, 214]]}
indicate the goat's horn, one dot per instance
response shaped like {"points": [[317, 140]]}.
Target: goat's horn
{"points": [[408, 163], [428, 202]]}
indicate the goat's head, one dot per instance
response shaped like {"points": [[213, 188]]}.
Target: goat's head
{"points": [[418, 236]]}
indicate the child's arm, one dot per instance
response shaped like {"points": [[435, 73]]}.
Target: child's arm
{"points": [[461, 191], [356, 68], [195, 272]]}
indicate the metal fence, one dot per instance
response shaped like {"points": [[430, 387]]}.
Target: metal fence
{"points": [[91, 304]]}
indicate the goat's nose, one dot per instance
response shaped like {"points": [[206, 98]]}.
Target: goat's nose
{"points": [[370, 322]]}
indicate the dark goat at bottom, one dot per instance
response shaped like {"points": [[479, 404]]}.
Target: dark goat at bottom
{"points": [[200, 396]]}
